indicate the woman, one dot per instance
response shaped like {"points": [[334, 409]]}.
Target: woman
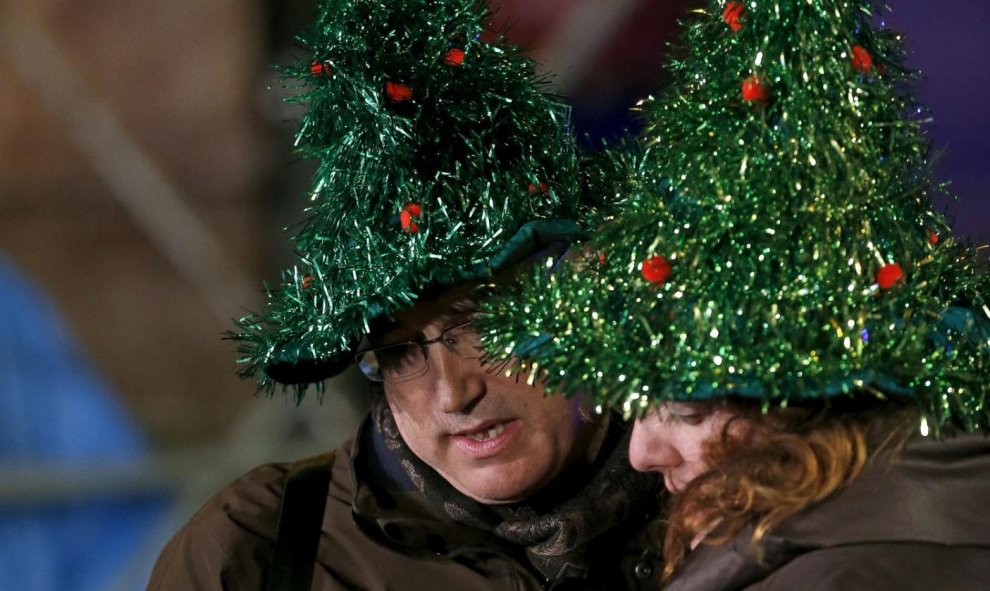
{"points": [[809, 344], [840, 496]]}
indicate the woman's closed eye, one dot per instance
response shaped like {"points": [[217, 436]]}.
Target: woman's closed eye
{"points": [[693, 418], [691, 414]]}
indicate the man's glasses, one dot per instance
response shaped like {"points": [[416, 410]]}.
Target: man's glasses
{"points": [[397, 362]]}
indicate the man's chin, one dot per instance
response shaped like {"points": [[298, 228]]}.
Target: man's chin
{"points": [[491, 489]]}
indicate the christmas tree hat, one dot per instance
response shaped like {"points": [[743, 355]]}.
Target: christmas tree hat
{"points": [[442, 159], [782, 245]]}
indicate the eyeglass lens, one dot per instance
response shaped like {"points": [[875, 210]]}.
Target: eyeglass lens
{"points": [[402, 360]]}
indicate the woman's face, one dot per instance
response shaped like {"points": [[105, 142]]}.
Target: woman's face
{"points": [[670, 438]]}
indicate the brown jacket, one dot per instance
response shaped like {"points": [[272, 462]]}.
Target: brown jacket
{"points": [[919, 522], [376, 538]]}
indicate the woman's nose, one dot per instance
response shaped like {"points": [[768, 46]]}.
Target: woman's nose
{"points": [[650, 449]]}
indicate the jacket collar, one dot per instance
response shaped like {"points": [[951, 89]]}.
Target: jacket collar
{"points": [[935, 492]]}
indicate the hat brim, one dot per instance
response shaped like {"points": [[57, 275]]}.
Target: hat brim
{"points": [[294, 364]]}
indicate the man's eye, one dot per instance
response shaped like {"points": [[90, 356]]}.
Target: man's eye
{"points": [[399, 358]]}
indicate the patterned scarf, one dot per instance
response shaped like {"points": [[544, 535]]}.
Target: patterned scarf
{"points": [[556, 538]]}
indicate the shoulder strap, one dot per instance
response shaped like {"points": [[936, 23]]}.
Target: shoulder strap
{"points": [[299, 523]]}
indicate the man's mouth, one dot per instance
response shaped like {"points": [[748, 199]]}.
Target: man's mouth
{"points": [[485, 434], [487, 439]]}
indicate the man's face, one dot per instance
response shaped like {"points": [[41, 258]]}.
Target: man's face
{"points": [[494, 438]]}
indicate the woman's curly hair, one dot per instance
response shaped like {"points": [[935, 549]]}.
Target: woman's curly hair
{"points": [[769, 463]]}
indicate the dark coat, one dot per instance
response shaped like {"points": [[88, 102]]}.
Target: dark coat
{"points": [[919, 521], [377, 537]]}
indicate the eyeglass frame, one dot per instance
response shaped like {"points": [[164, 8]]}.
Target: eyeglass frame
{"points": [[424, 349]]}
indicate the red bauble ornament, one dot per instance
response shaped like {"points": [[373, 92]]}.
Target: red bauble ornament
{"points": [[754, 90], [732, 15], [398, 92], [890, 275], [307, 282], [656, 269], [318, 69], [410, 212], [543, 188], [454, 56], [933, 238], [862, 61]]}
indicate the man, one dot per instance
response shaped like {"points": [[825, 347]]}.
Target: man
{"points": [[442, 166], [461, 478]]}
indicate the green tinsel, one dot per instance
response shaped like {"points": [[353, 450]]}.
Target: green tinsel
{"points": [[805, 259], [435, 146]]}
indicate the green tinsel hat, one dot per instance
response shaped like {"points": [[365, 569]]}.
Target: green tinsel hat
{"points": [[781, 244], [442, 159]]}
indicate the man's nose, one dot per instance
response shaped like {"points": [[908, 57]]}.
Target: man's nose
{"points": [[458, 382], [649, 450]]}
